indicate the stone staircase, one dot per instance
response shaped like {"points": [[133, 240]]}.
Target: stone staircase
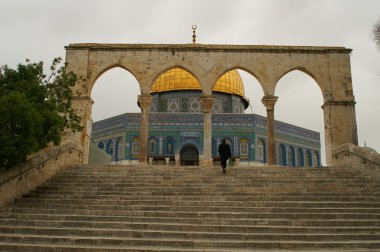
{"points": [[170, 208]]}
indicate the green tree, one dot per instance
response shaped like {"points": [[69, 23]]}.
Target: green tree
{"points": [[35, 109]]}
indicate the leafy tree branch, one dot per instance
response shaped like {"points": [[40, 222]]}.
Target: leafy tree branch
{"points": [[35, 109]]}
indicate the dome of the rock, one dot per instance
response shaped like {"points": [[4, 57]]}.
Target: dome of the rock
{"points": [[179, 79]]}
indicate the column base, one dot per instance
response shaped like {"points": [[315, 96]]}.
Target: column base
{"points": [[205, 162], [143, 162]]}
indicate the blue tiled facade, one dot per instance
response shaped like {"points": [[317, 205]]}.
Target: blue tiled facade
{"points": [[169, 132]]}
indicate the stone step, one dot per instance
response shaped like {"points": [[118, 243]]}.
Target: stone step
{"points": [[216, 180], [252, 175], [210, 186], [174, 171], [93, 222], [206, 177], [211, 213], [253, 213], [212, 202], [197, 194], [257, 193], [121, 233], [197, 206], [88, 248], [217, 176], [312, 198], [31, 247], [268, 243], [207, 218], [205, 189]]}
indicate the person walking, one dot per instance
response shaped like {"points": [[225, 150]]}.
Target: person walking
{"points": [[224, 151]]}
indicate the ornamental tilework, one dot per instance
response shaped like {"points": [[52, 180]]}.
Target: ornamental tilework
{"points": [[236, 108], [226, 107], [236, 150], [153, 106], [163, 106], [173, 105], [217, 107], [194, 105], [184, 105]]}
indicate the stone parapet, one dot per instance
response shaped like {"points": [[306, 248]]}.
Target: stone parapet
{"points": [[27, 176], [355, 157], [213, 47]]}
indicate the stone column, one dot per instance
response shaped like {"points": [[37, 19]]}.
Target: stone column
{"points": [[269, 101], [206, 102], [144, 102], [340, 126], [83, 107]]}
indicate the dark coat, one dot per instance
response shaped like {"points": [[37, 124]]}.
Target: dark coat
{"points": [[224, 151]]}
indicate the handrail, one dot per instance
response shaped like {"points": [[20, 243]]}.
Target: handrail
{"points": [[69, 146]]}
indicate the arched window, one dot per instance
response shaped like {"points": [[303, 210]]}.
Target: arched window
{"points": [[101, 145], [244, 150], [214, 147], [282, 154], [109, 148], [135, 150], [309, 159], [112, 152], [261, 150], [291, 156], [300, 157], [119, 150], [169, 146], [316, 159], [152, 146]]}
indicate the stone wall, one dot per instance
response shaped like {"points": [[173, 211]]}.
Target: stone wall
{"points": [[26, 177]]}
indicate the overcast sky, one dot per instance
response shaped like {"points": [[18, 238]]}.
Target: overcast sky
{"points": [[40, 29]]}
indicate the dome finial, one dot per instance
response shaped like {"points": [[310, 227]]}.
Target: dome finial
{"points": [[194, 36]]}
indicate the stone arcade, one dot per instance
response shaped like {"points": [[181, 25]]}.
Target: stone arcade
{"points": [[328, 66], [176, 127]]}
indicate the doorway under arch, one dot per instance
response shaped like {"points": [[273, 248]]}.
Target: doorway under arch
{"points": [[189, 155]]}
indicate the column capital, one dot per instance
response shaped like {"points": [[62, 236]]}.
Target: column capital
{"points": [[83, 98], [338, 103], [144, 101], [269, 101], [206, 102]]}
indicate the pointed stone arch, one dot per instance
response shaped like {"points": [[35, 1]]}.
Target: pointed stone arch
{"points": [[252, 72], [298, 90], [307, 72], [97, 75], [166, 69]]}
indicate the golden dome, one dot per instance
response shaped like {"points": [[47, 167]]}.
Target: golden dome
{"points": [[179, 79]]}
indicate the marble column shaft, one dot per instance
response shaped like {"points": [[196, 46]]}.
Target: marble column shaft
{"points": [[144, 102], [269, 101], [206, 103]]}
